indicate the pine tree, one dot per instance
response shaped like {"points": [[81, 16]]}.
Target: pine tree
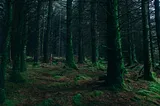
{"points": [[69, 47], [114, 50]]}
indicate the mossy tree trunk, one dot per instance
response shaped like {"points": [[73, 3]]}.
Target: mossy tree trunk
{"points": [[80, 33], [69, 46], [151, 40], [37, 42], [114, 50], [147, 57], [93, 32], [46, 36], [157, 20], [17, 26]]}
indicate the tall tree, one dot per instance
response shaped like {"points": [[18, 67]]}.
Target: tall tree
{"points": [[37, 43], [69, 46], [147, 57], [114, 50], [93, 31], [157, 20], [17, 28], [130, 62], [80, 33], [3, 48], [46, 37]]}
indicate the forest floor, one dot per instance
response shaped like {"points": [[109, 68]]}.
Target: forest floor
{"points": [[55, 85]]}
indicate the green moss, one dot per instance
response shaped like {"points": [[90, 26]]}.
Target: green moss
{"points": [[57, 77], [2, 96], [96, 93], [77, 100], [10, 102], [46, 102], [82, 77]]}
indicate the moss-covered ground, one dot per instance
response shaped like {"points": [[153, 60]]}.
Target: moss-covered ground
{"points": [[56, 85]]}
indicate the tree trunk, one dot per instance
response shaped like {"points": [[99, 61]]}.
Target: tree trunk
{"points": [[157, 20], [3, 50], [93, 32], [147, 58], [80, 45], [69, 47], [17, 26], [46, 37], [37, 46], [114, 53]]}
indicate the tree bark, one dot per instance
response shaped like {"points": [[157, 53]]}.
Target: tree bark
{"points": [[147, 58], [157, 20], [46, 37], [69, 47], [114, 50], [93, 32]]}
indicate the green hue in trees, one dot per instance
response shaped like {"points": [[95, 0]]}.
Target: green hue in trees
{"points": [[69, 47], [114, 53], [147, 58]]}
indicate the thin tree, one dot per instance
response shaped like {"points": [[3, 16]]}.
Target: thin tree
{"points": [[37, 44], [93, 32], [46, 37], [80, 33], [157, 20], [3, 48], [147, 57]]}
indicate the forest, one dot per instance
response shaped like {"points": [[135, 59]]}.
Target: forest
{"points": [[79, 53]]}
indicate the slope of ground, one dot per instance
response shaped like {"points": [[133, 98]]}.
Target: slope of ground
{"points": [[55, 85]]}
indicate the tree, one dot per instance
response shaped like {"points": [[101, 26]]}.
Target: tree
{"points": [[80, 33], [114, 50], [157, 20], [37, 44], [69, 46], [147, 58], [3, 48], [17, 28], [46, 37], [93, 32]]}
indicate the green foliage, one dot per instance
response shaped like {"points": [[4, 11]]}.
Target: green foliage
{"points": [[10, 102], [57, 77], [152, 93], [82, 77], [36, 64], [46, 102], [2, 95], [96, 93], [101, 64], [154, 75], [77, 100]]}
